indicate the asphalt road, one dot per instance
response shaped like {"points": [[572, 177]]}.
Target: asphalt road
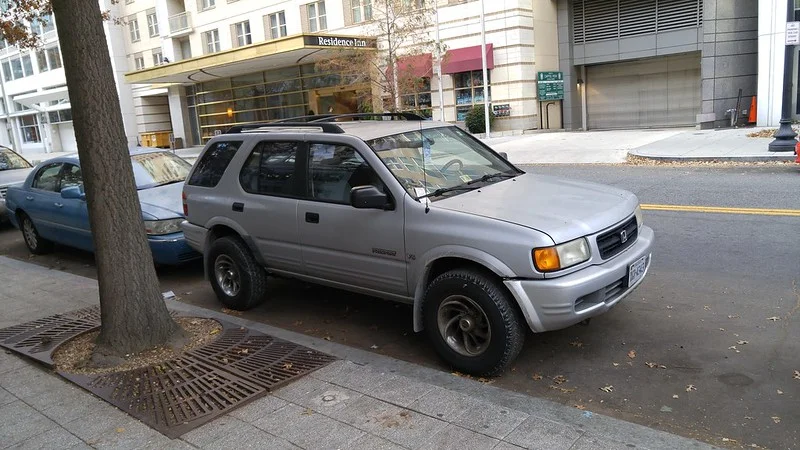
{"points": [[716, 318]]}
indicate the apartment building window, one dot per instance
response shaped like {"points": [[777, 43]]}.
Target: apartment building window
{"points": [[16, 68], [206, 4], [242, 30], [64, 115], [362, 10], [133, 28], [420, 101], [158, 57], [138, 61], [152, 22], [211, 41], [49, 59], [29, 126], [277, 25], [469, 90], [317, 20], [43, 25]]}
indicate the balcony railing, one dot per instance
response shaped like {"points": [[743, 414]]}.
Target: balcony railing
{"points": [[180, 23]]}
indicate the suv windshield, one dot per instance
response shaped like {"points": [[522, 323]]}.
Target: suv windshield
{"points": [[158, 168], [12, 161], [435, 161]]}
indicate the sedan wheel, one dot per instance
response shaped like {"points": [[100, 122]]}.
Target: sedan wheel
{"points": [[35, 243]]}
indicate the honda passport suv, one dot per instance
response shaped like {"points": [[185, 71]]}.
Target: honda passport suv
{"points": [[416, 211]]}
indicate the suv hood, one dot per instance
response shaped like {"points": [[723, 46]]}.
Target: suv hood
{"points": [[162, 202], [12, 177], [564, 209]]}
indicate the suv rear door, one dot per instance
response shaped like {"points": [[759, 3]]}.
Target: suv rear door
{"points": [[363, 248]]}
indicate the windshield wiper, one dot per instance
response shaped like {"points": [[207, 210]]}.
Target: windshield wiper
{"points": [[489, 176], [442, 191]]}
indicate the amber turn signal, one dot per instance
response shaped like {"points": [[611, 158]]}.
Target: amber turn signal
{"points": [[546, 259]]}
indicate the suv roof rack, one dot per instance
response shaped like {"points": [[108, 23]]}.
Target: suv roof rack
{"points": [[325, 127], [393, 115]]}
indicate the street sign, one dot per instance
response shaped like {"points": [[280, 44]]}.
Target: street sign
{"points": [[550, 85], [792, 33]]}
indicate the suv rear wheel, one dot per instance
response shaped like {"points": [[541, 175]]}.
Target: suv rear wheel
{"points": [[472, 322], [238, 280]]}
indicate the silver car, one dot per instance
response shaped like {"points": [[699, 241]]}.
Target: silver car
{"points": [[418, 212], [13, 171]]}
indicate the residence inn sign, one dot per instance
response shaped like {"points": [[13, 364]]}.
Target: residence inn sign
{"points": [[338, 41]]}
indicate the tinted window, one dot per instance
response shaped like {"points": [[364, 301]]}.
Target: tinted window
{"points": [[336, 169], [212, 165], [71, 176], [158, 169], [47, 178], [270, 169]]}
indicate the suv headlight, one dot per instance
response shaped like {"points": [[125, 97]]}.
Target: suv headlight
{"points": [[639, 220], [568, 254], [161, 227]]}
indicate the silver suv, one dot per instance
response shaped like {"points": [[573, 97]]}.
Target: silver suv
{"points": [[418, 212]]}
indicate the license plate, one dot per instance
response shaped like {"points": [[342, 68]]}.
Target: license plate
{"points": [[636, 270]]}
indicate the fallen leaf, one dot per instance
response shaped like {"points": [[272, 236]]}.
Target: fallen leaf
{"points": [[578, 344], [581, 407], [536, 377], [231, 312], [327, 338], [776, 419], [120, 430], [733, 347], [675, 396], [774, 318], [563, 390], [669, 307], [214, 331], [559, 379], [690, 388], [707, 308], [796, 375], [287, 365], [722, 329], [608, 388], [742, 342], [297, 323], [749, 418], [632, 354], [244, 351], [615, 364], [373, 346], [307, 412], [733, 441], [733, 316], [485, 380], [780, 392]]}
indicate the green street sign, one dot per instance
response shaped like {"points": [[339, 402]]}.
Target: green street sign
{"points": [[550, 86]]}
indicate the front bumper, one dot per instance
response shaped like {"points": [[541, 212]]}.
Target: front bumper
{"points": [[556, 303], [171, 249]]}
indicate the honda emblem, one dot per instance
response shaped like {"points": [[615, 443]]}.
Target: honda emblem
{"points": [[623, 236]]}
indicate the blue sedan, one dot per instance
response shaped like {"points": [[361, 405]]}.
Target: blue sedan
{"points": [[50, 207]]}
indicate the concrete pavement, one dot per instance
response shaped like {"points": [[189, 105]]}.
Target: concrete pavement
{"points": [[370, 401]]}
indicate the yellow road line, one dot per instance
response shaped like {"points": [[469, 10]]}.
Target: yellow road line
{"points": [[723, 210]]}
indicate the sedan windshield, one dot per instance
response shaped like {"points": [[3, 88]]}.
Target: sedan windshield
{"points": [[12, 161], [158, 169], [434, 162]]}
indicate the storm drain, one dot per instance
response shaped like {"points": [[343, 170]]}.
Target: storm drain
{"points": [[178, 395]]}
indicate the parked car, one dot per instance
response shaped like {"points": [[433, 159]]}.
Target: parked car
{"points": [[50, 207], [415, 211], [13, 171]]}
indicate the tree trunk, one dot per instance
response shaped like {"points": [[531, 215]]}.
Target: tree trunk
{"points": [[133, 314]]}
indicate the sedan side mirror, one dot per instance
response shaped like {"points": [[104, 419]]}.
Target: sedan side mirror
{"points": [[73, 192], [368, 197]]}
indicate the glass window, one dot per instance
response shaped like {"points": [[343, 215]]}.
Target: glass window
{"points": [[277, 25], [212, 165], [29, 126], [362, 10], [155, 169], [270, 169], [469, 91], [9, 160], [138, 61], [152, 23], [133, 28], [207, 4], [54, 57], [16, 68], [47, 178], [7, 75], [48, 23], [243, 36], [317, 20], [336, 169], [158, 57], [27, 66], [71, 176], [211, 39], [64, 115]]}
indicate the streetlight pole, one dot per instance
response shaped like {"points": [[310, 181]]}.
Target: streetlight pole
{"points": [[485, 75], [785, 137], [439, 64]]}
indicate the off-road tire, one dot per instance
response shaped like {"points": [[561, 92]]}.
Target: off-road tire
{"points": [[504, 318], [253, 277], [35, 243]]}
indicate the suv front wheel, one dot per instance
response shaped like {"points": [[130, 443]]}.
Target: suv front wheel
{"points": [[472, 322], [238, 280]]}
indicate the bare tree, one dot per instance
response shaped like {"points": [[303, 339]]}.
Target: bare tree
{"points": [[133, 313], [402, 29]]}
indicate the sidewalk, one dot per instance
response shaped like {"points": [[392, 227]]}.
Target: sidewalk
{"points": [[363, 401]]}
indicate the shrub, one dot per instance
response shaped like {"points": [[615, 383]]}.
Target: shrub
{"points": [[475, 121]]}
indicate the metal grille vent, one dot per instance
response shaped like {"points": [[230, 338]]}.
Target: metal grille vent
{"points": [[598, 20]]}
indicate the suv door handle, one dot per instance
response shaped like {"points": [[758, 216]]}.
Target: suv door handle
{"points": [[238, 207], [59, 205], [312, 217]]}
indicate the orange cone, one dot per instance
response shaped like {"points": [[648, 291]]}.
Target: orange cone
{"points": [[752, 116]]}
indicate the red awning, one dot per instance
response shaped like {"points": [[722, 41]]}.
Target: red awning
{"points": [[466, 59], [417, 66]]}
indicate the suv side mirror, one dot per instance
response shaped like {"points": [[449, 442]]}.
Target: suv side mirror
{"points": [[368, 197], [73, 192], [504, 155]]}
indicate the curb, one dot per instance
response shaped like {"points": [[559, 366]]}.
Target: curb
{"points": [[776, 158]]}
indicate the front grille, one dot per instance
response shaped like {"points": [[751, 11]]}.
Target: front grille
{"points": [[3, 191], [610, 243]]}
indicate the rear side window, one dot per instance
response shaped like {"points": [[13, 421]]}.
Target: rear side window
{"points": [[212, 165], [47, 178], [271, 169]]}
